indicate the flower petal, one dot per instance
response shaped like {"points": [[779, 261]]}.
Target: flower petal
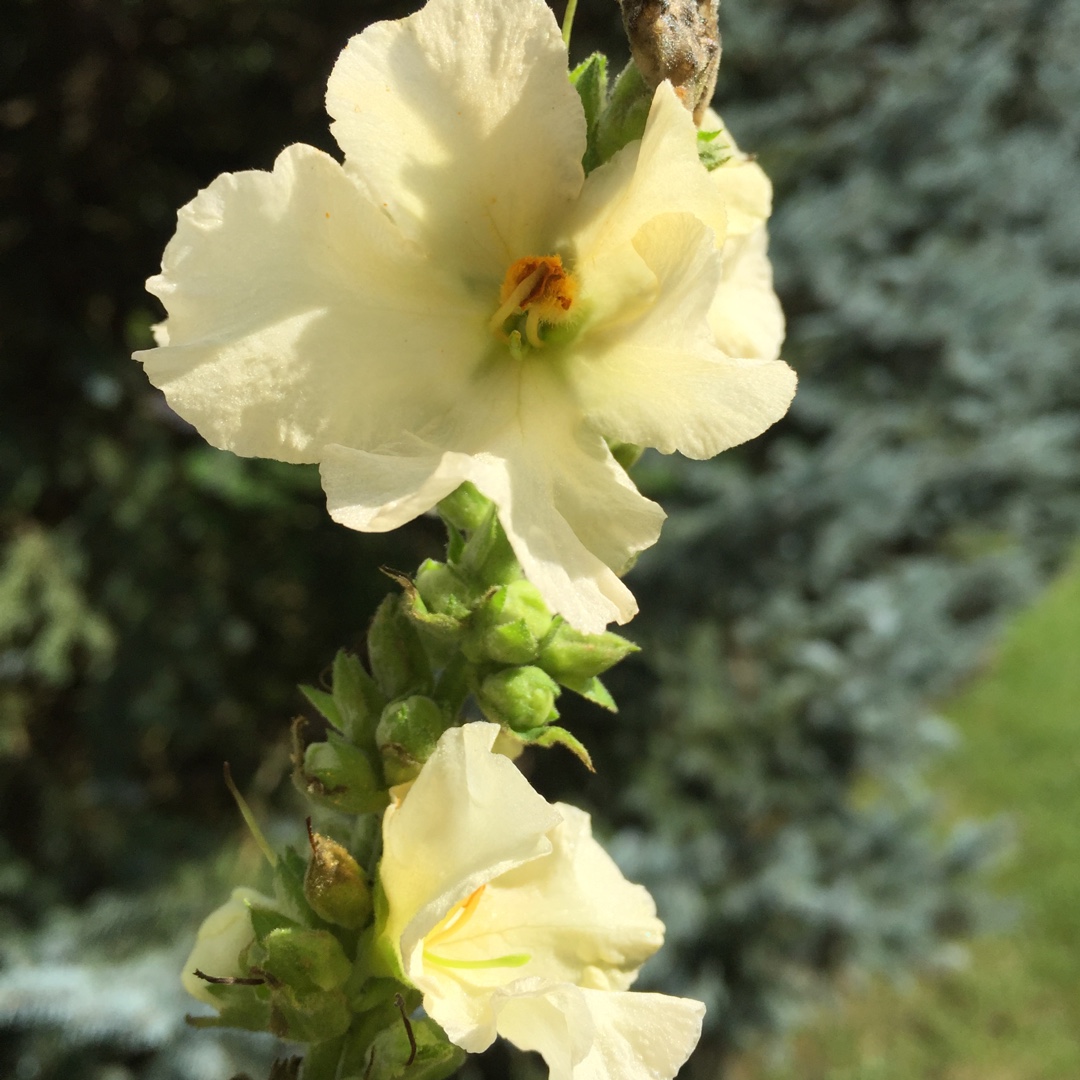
{"points": [[469, 816], [460, 120], [572, 912], [747, 191], [630, 1036], [745, 316], [661, 174], [298, 316], [572, 515], [661, 381], [222, 937]]}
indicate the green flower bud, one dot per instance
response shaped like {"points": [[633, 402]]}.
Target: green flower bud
{"points": [[441, 589], [335, 773], [334, 884], [522, 698], [510, 625], [407, 733], [305, 959], [568, 654]]}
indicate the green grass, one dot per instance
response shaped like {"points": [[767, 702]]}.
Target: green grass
{"points": [[1014, 1012]]}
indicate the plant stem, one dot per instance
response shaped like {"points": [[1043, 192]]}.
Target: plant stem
{"points": [[568, 21]]}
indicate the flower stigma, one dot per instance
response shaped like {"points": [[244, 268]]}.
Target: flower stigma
{"points": [[455, 920], [541, 289]]}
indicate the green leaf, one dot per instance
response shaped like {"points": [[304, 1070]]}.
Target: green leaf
{"points": [[265, 920], [289, 881], [590, 79], [557, 736], [712, 151]]}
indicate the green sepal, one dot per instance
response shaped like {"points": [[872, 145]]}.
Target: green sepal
{"points": [[325, 704], [243, 1007], [712, 153], [592, 690], [441, 631], [465, 508], [590, 79], [307, 1016], [511, 643], [265, 920], [625, 117], [509, 626], [435, 1059], [337, 774], [488, 558], [571, 657], [384, 956], [358, 700], [398, 661], [550, 735], [289, 883], [374, 994], [521, 698], [305, 959]]}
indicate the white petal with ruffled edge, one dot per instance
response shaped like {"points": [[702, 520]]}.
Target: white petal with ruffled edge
{"points": [[298, 316], [628, 1036], [460, 120], [572, 515], [745, 316], [662, 381]]}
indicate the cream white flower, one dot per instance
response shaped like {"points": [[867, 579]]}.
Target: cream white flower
{"points": [[222, 937], [456, 302], [513, 921]]}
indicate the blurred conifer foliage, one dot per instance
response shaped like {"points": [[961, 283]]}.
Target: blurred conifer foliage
{"points": [[159, 601]]}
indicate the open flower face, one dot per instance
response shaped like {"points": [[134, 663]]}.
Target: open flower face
{"points": [[457, 302], [513, 921]]}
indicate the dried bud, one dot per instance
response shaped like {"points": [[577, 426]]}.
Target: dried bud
{"points": [[677, 40], [334, 884]]}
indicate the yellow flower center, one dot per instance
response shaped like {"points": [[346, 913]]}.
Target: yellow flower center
{"points": [[452, 923], [541, 289]]}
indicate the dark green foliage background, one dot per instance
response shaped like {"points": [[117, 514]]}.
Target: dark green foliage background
{"points": [[159, 601]]}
